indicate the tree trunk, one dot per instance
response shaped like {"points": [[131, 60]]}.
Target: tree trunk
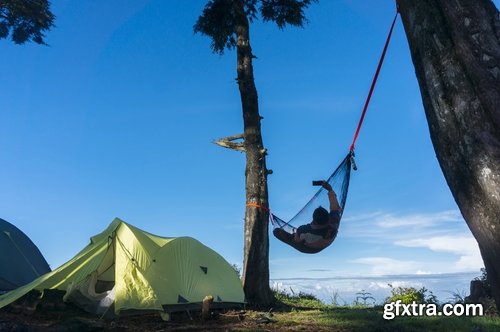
{"points": [[256, 247], [455, 47]]}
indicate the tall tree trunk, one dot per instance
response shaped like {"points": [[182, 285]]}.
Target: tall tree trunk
{"points": [[455, 47], [256, 248]]}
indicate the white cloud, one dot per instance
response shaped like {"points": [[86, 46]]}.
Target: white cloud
{"points": [[381, 235], [362, 217], [463, 246], [344, 290], [453, 244], [386, 265], [420, 220], [469, 263], [376, 285], [383, 227]]}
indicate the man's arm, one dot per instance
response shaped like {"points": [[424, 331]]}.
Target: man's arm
{"points": [[332, 197], [296, 235]]}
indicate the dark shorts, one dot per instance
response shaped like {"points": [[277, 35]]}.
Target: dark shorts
{"points": [[289, 239], [327, 231]]}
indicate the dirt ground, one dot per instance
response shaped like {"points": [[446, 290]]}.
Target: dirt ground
{"points": [[34, 313], [73, 319]]}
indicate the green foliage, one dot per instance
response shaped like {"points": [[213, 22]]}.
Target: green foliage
{"points": [[484, 280], [409, 295], [364, 299], [335, 300], [489, 301], [457, 297], [25, 20], [300, 300], [220, 18], [284, 12], [371, 319], [218, 23]]}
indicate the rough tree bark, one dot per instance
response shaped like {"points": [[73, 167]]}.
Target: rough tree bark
{"points": [[455, 47], [226, 22], [256, 247]]}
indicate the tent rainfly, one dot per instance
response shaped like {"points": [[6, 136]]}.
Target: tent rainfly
{"points": [[20, 260], [125, 269]]}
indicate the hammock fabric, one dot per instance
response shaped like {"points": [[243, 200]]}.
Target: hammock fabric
{"points": [[339, 181]]}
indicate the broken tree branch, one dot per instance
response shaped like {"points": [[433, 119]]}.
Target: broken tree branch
{"points": [[228, 142]]}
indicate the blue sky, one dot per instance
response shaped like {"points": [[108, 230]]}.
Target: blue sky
{"points": [[116, 118]]}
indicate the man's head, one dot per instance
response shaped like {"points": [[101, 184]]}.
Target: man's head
{"points": [[320, 216]]}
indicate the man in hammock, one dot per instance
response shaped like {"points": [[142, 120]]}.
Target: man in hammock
{"points": [[321, 232]]}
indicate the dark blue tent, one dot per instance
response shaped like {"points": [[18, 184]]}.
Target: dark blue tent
{"points": [[20, 260]]}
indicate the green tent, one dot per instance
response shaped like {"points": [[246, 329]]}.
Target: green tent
{"points": [[127, 269]]}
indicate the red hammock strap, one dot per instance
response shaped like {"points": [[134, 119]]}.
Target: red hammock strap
{"points": [[374, 82]]}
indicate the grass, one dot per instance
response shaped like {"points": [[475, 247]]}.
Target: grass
{"points": [[303, 311], [370, 319], [291, 312]]}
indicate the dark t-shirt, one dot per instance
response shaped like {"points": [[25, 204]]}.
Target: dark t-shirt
{"points": [[313, 233]]}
